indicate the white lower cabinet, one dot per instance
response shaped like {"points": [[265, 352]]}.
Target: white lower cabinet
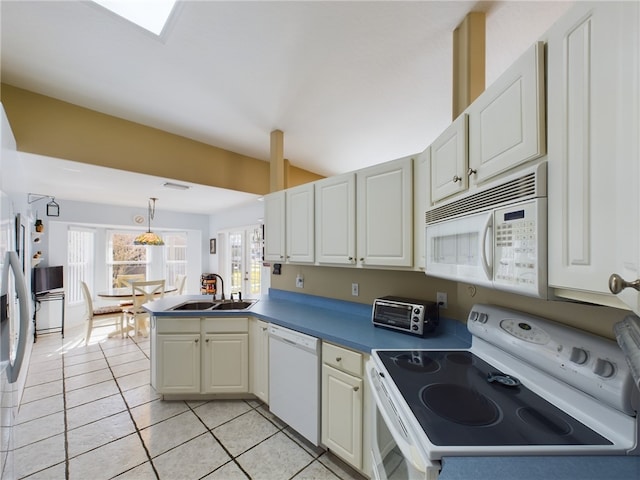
{"points": [[343, 395], [194, 356], [225, 363], [178, 365], [259, 358]]}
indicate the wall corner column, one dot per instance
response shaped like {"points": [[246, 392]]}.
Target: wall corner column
{"points": [[468, 61]]}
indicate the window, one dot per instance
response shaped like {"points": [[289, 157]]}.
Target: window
{"points": [[175, 255], [80, 253], [125, 258]]}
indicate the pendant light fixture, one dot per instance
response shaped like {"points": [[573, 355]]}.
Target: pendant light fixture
{"points": [[149, 238]]}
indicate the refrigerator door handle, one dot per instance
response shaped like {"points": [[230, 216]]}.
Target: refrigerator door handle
{"points": [[13, 262]]}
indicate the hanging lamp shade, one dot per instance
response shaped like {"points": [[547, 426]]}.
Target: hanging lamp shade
{"points": [[148, 237]]}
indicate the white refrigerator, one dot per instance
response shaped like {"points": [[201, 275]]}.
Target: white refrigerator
{"points": [[14, 316]]}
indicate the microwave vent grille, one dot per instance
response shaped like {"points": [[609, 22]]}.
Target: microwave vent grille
{"points": [[520, 188]]}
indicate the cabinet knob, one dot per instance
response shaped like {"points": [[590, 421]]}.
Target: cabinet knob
{"points": [[617, 284], [197, 340], [264, 329], [207, 340], [471, 171], [457, 179], [338, 359], [362, 259], [281, 256], [351, 259], [356, 388]]}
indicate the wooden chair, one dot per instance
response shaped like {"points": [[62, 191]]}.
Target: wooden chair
{"points": [[180, 282], [113, 312], [142, 292], [125, 280]]}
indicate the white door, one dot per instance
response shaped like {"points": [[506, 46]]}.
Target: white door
{"points": [[225, 363], [242, 261], [385, 214], [593, 151], [335, 216], [449, 160], [300, 226], [274, 227], [507, 121]]}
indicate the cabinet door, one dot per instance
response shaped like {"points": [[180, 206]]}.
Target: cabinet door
{"points": [[274, 226], [225, 363], [507, 121], [336, 220], [178, 363], [259, 343], [300, 225], [449, 161], [385, 214], [593, 152], [421, 200], [342, 414]]}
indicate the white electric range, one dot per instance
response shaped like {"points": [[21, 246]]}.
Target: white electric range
{"points": [[526, 386]]}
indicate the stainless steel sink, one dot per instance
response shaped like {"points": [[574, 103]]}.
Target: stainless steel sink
{"points": [[232, 305], [195, 305], [199, 305]]}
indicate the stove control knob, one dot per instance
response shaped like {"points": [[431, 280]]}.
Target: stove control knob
{"points": [[604, 368], [579, 356], [473, 316], [483, 318]]}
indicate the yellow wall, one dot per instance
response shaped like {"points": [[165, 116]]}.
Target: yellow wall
{"points": [[46, 126], [335, 282]]}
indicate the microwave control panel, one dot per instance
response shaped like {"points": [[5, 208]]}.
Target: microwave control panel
{"points": [[519, 245]]}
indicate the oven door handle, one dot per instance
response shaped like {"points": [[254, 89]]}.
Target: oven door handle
{"points": [[409, 452]]}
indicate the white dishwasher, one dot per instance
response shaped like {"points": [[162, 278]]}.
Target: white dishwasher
{"points": [[294, 380]]}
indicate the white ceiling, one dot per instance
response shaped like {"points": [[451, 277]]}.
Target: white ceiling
{"points": [[351, 84]]}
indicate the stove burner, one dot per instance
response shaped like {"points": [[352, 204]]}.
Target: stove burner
{"points": [[416, 362], [461, 358], [544, 421], [503, 379], [460, 404]]}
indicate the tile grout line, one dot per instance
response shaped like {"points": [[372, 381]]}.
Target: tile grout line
{"points": [[146, 450], [66, 427]]}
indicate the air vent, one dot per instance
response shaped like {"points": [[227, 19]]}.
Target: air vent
{"points": [[528, 184]]}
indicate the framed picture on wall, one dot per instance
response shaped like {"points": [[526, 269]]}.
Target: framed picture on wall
{"points": [[212, 246]]}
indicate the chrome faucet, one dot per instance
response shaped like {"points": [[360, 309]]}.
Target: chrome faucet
{"points": [[221, 286]]}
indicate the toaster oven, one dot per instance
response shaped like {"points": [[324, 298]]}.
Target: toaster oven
{"points": [[405, 314]]}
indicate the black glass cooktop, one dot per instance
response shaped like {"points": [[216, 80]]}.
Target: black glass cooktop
{"points": [[459, 399]]}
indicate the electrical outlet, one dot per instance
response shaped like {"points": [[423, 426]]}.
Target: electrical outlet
{"points": [[441, 298], [354, 289], [299, 281]]}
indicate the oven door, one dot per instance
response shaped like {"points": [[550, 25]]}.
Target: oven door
{"points": [[395, 454], [461, 249]]}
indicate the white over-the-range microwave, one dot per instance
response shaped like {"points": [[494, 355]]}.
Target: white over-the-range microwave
{"points": [[495, 236]]}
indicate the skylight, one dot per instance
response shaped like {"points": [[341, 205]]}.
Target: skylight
{"points": [[151, 15]]}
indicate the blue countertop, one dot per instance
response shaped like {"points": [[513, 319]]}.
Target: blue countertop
{"points": [[336, 321], [349, 324]]}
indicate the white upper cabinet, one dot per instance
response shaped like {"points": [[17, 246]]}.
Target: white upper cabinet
{"points": [[274, 227], [593, 149], [449, 160], [289, 225], [503, 128], [507, 121], [336, 220], [421, 197], [384, 203], [300, 224]]}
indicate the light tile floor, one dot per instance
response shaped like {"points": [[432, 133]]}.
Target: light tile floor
{"points": [[88, 412]]}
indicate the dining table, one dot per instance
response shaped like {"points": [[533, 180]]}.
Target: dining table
{"points": [[121, 293]]}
